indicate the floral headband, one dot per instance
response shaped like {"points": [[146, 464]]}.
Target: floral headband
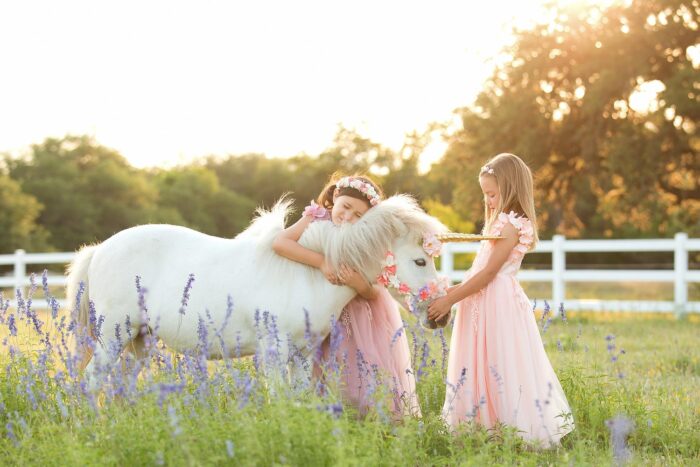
{"points": [[487, 169], [361, 186]]}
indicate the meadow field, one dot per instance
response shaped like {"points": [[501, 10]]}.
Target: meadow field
{"points": [[634, 379]]}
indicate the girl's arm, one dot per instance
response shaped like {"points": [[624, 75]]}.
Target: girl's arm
{"points": [[286, 244], [500, 253]]}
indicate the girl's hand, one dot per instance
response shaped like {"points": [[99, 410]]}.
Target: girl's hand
{"points": [[352, 278], [439, 308], [330, 274]]}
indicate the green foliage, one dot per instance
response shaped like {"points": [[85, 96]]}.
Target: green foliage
{"points": [[88, 191], [658, 392], [18, 219], [448, 216], [192, 196], [565, 101]]}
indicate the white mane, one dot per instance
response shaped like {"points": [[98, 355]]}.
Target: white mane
{"points": [[361, 245]]}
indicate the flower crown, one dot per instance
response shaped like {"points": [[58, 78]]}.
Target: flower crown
{"points": [[487, 169], [361, 186]]}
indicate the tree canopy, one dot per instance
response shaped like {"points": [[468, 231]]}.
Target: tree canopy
{"points": [[604, 106]]}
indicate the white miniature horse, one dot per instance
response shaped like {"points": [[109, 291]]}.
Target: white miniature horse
{"points": [[245, 270]]}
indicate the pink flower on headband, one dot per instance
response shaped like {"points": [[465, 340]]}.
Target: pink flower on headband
{"points": [[361, 186]]}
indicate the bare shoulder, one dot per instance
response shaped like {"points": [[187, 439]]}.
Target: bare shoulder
{"points": [[509, 231], [510, 237]]}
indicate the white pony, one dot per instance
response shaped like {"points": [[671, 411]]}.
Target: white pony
{"points": [[244, 270]]}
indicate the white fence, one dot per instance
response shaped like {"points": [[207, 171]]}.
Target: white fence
{"points": [[558, 275]]}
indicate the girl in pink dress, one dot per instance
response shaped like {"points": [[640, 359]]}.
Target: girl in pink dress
{"points": [[498, 371], [371, 351]]}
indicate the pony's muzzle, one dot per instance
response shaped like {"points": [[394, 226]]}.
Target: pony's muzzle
{"points": [[428, 323], [434, 324]]}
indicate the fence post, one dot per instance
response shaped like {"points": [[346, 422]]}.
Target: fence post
{"points": [[447, 261], [20, 270], [680, 268], [558, 268]]}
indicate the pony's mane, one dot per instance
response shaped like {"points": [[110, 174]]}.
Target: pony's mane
{"points": [[266, 224], [363, 245]]}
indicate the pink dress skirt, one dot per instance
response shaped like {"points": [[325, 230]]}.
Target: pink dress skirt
{"points": [[370, 350]]}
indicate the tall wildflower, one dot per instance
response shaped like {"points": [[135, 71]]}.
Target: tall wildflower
{"points": [[620, 428]]}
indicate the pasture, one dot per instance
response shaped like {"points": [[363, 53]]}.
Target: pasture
{"points": [[183, 410]]}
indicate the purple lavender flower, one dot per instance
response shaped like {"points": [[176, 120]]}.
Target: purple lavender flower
{"points": [[10, 432], [174, 421], [12, 326], [546, 318], [3, 307], [141, 291], [396, 335], [335, 410], [614, 356], [424, 359], [229, 448], [202, 333], [620, 428], [78, 300], [248, 385], [497, 377], [445, 348], [127, 327], [186, 294]]}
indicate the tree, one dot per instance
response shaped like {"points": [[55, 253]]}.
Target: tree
{"points": [[18, 215], [89, 192], [569, 101], [192, 196]]}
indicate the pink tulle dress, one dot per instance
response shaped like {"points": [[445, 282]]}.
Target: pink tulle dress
{"points": [[498, 370], [370, 350]]}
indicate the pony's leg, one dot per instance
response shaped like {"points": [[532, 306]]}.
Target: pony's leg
{"points": [[106, 353], [103, 359], [137, 349]]}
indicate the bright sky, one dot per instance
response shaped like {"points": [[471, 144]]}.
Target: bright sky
{"points": [[166, 81]]}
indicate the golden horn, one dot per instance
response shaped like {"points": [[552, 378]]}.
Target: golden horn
{"points": [[464, 237]]}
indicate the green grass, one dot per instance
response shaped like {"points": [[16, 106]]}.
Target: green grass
{"points": [[660, 391]]}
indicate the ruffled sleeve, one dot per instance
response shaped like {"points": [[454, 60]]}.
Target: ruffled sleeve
{"points": [[523, 225], [316, 212]]}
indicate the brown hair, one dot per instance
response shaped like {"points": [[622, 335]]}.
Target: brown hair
{"points": [[515, 187], [325, 199]]}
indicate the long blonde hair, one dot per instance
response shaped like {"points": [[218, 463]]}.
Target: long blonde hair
{"points": [[515, 188]]}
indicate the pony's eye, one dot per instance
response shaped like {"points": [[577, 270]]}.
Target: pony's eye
{"points": [[419, 262]]}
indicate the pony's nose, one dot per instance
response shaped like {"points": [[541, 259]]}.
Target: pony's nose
{"points": [[436, 323]]}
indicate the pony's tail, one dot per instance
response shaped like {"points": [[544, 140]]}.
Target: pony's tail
{"points": [[78, 296]]}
